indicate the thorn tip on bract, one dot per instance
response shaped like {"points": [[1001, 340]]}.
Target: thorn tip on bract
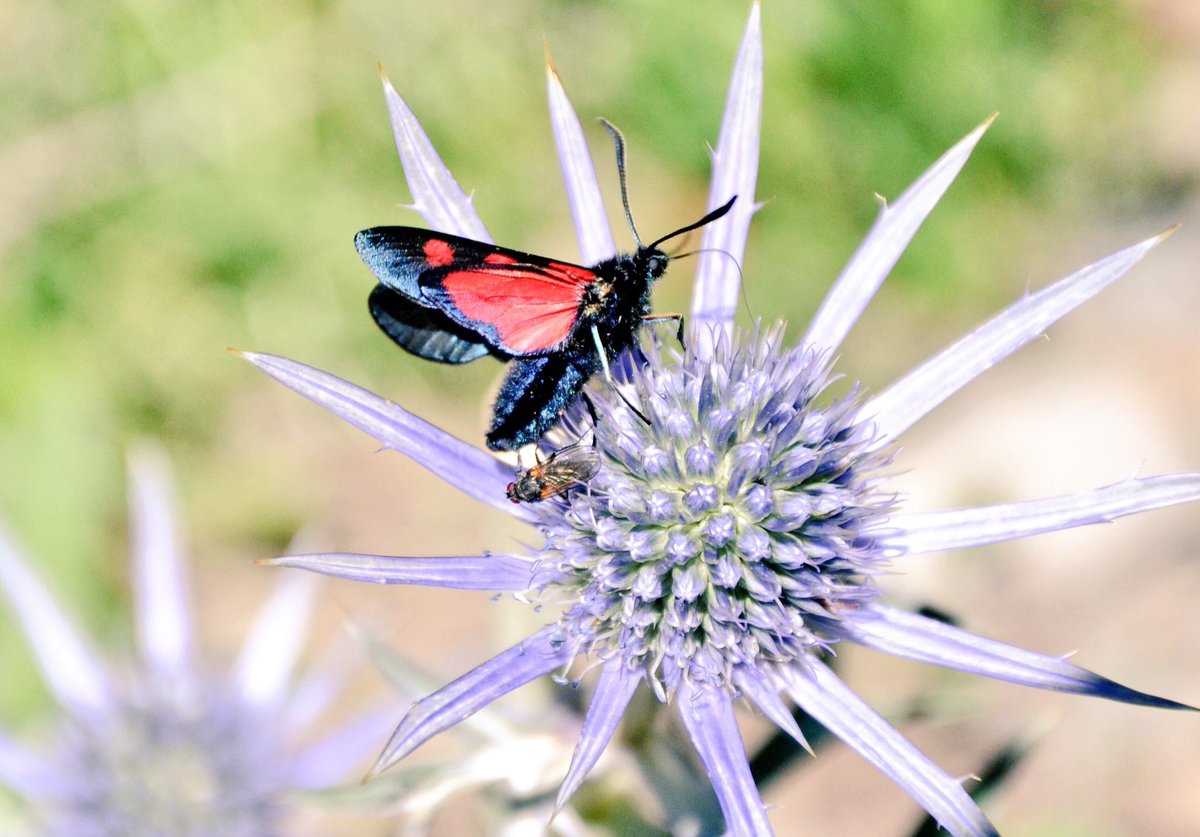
{"points": [[1167, 233]]}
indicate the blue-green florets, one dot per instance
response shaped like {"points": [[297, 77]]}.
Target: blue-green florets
{"points": [[728, 529]]}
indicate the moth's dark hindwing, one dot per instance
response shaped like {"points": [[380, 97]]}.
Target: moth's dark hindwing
{"points": [[396, 255], [426, 332]]}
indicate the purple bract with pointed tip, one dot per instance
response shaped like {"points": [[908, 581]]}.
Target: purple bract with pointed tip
{"points": [[169, 748]]}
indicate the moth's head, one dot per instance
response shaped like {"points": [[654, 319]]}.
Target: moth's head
{"points": [[655, 262]]}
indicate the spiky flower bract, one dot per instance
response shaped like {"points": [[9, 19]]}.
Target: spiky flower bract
{"points": [[734, 538], [168, 746]]}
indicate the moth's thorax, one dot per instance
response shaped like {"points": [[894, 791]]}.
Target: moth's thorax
{"points": [[617, 299], [595, 297]]}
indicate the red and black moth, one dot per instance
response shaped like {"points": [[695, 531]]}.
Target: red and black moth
{"points": [[453, 300]]}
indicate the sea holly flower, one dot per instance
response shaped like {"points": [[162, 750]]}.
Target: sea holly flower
{"points": [[166, 745], [731, 541]]}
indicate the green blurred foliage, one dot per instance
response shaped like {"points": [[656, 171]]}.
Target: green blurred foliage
{"points": [[176, 178]]}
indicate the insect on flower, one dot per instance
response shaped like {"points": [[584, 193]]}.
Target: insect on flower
{"points": [[452, 299], [562, 471], [732, 544]]}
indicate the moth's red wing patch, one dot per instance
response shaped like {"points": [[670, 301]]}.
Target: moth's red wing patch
{"points": [[438, 253], [528, 308]]}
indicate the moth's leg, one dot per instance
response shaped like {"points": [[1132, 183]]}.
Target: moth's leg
{"points": [[655, 319]]}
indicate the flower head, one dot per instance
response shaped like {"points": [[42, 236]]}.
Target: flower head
{"points": [[170, 747], [720, 532], [733, 534]]}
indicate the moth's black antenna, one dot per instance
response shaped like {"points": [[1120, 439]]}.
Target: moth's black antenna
{"points": [[619, 140], [707, 219]]}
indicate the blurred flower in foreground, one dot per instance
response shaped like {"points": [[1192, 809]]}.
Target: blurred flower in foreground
{"points": [[164, 746], [514, 760], [725, 547]]}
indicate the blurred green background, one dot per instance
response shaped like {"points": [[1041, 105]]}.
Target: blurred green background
{"points": [[177, 178]]}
